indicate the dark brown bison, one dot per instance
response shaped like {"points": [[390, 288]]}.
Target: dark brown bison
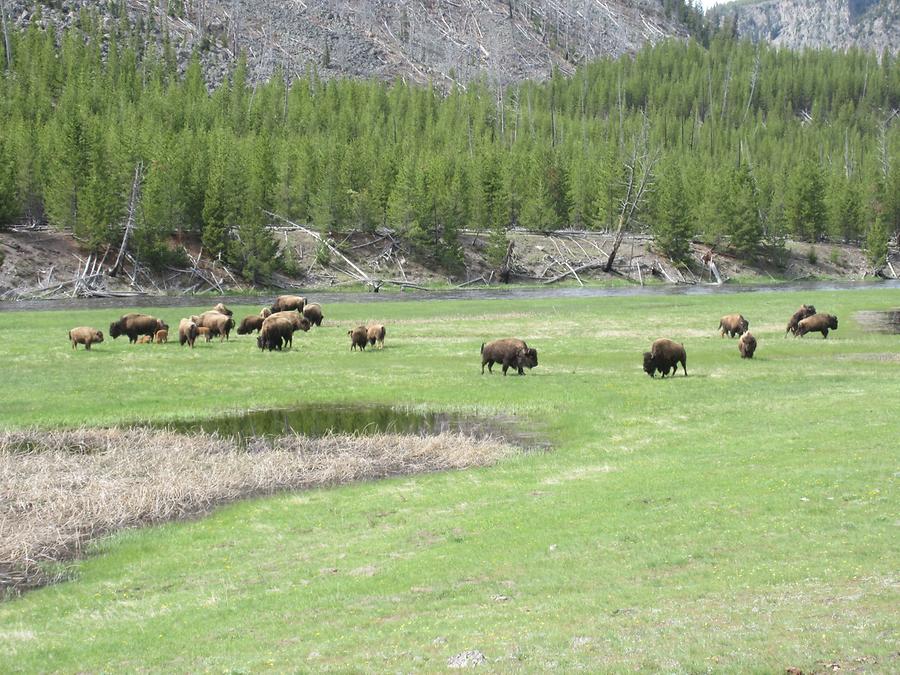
{"points": [[203, 331], [358, 338], [299, 321], [798, 316], [747, 345], [161, 336], [222, 309], [665, 355], [134, 325], [733, 324], [276, 332], [187, 332], [375, 333], [285, 303], [817, 323], [509, 352], [313, 313], [218, 323], [249, 324], [83, 335]]}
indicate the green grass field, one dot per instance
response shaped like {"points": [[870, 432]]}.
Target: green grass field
{"points": [[742, 518]]}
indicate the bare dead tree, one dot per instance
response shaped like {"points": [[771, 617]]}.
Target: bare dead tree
{"points": [[129, 223], [6, 34], [638, 180]]}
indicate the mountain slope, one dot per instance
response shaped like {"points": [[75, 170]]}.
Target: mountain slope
{"points": [[459, 40], [839, 24]]}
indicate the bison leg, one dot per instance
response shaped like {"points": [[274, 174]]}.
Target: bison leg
{"points": [[505, 368], [521, 371], [87, 345], [683, 365], [824, 333]]}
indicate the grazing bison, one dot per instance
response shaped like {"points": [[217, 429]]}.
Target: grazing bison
{"points": [[222, 309], [285, 303], [203, 331], [299, 321], [134, 325], [187, 332], [145, 340], [265, 312], [817, 323], [747, 345], [665, 355], [218, 323], [733, 324], [509, 352], [358, 338], [313, 312], [161, 336], [375, 333], [249, 324], [83, 335], [276, 332], [798, 316]]}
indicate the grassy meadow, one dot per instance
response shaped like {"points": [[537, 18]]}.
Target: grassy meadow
{"points": [[742, 518]]}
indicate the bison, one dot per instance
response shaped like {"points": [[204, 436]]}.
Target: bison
{"points": [[313, 313], [83, 335], [285, 303], [222, 309], [249, 324], [187, 332], [817, 323], [358, 338], [144, 340], [747, 345], [218, 323], [375, 333], [665, 355], [733, 324], [798, 316], [204, 332], [299, 321], [134, 325], [509, 352], [276, 332]]}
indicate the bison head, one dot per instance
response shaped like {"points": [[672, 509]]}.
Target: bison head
{"points": [[832, 322], [304, 324], [649, 364], [115, 330], [161, 325], [745, 325], [98, 336], [527, 357]]}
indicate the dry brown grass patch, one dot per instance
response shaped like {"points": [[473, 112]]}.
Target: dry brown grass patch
{"points": [[60, 489]]}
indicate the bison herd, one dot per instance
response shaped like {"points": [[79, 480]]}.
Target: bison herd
{"points": [[277, 324]]}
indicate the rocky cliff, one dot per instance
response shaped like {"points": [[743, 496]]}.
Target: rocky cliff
{"points": [[838, 24]]}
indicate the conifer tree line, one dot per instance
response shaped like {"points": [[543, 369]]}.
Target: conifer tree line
{"points": [[753, 145]]}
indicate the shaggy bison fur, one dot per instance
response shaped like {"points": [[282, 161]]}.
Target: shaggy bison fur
{"points": [[733, 324], [84, 335], [665, 355], [817, 323], [222, 309], [313, 313], [218, 323], [747, 345], [298, 321], [798, 316], [276, 332], [187, 332], [265, 312], [134, 325], [249, 324], [286, 303], [508, 352], [375, 333], [358, 338]]}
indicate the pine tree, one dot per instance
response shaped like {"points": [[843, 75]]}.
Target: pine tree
{"points": [[805, 210], [671, 226], [877, 243]]}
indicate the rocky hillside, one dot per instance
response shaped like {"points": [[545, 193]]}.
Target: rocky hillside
{"points": [[458, 40], [839, 24]]}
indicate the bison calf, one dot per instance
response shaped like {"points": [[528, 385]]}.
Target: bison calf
{"points": [[84, 335], [798, 316], [144, 340], [733, 324], [817, 323], [161, 336], [375, 333], [747, 345], [358, 338], [204, 332], [509, 352], [665, 355]]}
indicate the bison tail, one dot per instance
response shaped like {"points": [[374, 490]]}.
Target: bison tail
{"points": [[482, 348]]}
